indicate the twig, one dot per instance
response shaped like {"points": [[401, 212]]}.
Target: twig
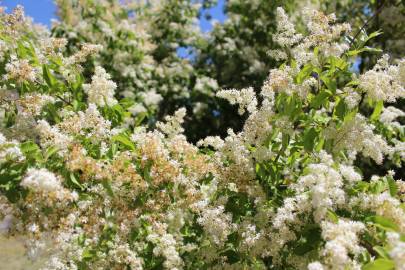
{"points": [[367, 22], [64, 100]]}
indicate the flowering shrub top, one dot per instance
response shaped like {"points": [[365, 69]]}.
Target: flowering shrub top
{"points": [[81, 179], [141, 41]]}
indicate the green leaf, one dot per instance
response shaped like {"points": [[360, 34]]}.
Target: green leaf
{"points": [[290, 106], [309, 139], [330, 83], [383, 223], [74, 181], [139, 118], [124, 140], [304, 73], [285, 141], [88, 254], [49, 79], [320, 99], [50, 152], [332, 216], [373, 35], [108, 188], [381, 251], [379, 264], [29, 147], [341, 109], [31, 150], [392, 185], [377, 110], [320, 144], [310, 239], [336, 62], [365, 49], [350, 116]]}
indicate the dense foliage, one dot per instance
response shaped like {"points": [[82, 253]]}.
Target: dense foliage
{"points": [[100, 167]]}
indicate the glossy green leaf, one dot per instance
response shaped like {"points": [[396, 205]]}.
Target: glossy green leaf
{"points": [[124, 140], [50, 152], [383, 223], [309, 139], [381, 252], [330, 83], [332, 216], [392, 185], [74, 181], [379, 264], [304, 73], [320, 99], [341, 109], [49, 79], [377, 110]]}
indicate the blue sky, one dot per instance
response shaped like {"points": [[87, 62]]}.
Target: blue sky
{"points": [[44, 10], [41, 10]]}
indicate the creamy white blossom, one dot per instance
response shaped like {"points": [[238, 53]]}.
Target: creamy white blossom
{"points": [[41, 180], [101, 90], [397, 252], [245, 98], [383, 82], [20, 70]]}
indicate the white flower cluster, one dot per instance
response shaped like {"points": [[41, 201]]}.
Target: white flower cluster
{"points": [[324, 31], [81, 56], [323, 34], [206, 85], [315, 266], [89, 123], [384, 82], [341, 243], [52, 136], [151, 98], [216, 142], [41, 180], [349, 174], [101, 90], [281, 80], [321, 189], [397, 252], [47, 183], [325, 186], [52, 46], [9, 150], [352, 97], [217, 224], [125, 255], [245, 98], [389, 114], [358, 136], [286, 35], [172, 126], [383, 205], [254, 240], [166, 246], [20, 70], [32, 104]]}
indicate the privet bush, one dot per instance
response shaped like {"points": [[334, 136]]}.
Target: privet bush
{"points": [[84, 182]]}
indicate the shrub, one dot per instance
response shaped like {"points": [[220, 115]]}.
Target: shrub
{"points": [[84, 179]]}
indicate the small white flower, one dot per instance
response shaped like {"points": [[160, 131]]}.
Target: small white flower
{"points": [[101, 90], [41, 180], [245, 98]]}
